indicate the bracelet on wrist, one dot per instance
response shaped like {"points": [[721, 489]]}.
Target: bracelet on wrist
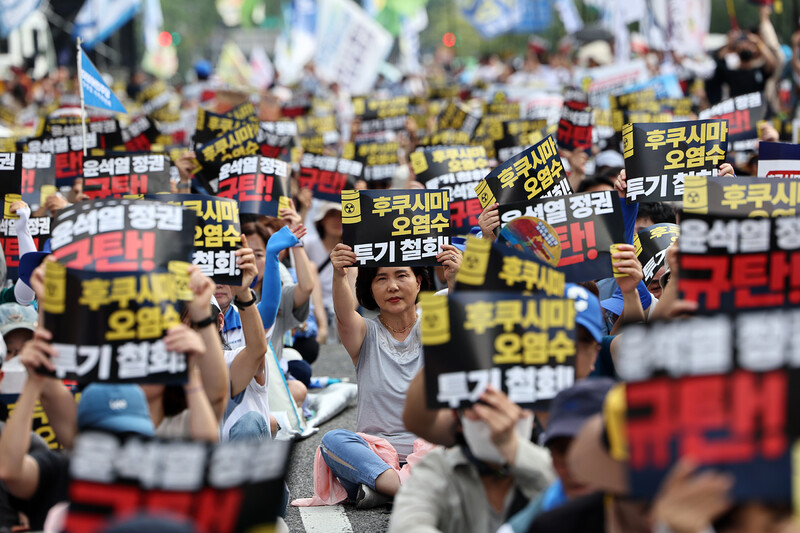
{"points": [[205, 322], [243, 305]]}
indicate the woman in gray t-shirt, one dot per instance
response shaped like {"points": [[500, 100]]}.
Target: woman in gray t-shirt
{"points": [[387, 352]]}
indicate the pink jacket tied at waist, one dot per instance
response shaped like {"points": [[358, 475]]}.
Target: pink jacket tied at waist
{"points": [[328, 490]]}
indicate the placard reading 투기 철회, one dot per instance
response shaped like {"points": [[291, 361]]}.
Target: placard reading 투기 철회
{"points": [[396, 227]]}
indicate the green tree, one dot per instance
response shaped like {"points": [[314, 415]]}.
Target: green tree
{"points": [[195, 22]]}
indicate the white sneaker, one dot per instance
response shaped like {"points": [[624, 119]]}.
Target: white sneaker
{"points": [[369, 499]]}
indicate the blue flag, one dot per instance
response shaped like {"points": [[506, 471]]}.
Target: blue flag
{"points": [[491, 17], [98, 19], [14, 12], [95, 91]]}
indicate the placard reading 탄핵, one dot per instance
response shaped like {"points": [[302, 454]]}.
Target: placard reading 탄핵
{"points": [[712, 389], [396, 227], [730, 264], [27, 177], [122, 235], [115, 176], [232, 487], [585, 224]]}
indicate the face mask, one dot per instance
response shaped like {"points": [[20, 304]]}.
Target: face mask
{"points": [[479, 438]]}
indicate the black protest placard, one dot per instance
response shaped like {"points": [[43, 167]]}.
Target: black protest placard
{"points": [[712, 389], [372, 108], [140, 134], [457, 117], [122, 235], [212, 125], [536, 172], [457, 169], [576, 98], [231, 487], [375, 115], [239, 142], [586, 225], [380, 159], [117, 175], [488, 132], [41, 423], [217, 234], [502, 110], [524, 141], [733, 263], [27, 177], [276, 138], [68, 153], [130, 313], [743, 114], [317, 132], [515, 135], [259, 184], [396, 227], [445, 137], [742, 196], [575, 129], [659, 157], [522, 345], [107, 130], [651, 245], [328, 176], [38, 227], [490, 266], [154, 98]]}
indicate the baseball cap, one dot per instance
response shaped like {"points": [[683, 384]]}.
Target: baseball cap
{"points": [[588, 312], [119, 408], [325, 207], [14, 316], [459, 242], [573, 406], [616, 303]]}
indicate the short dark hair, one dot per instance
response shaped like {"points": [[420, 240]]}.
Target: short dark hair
{"points": [[367, 275], [658, 212]]}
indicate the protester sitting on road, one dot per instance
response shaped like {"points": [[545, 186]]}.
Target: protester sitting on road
{"points": [[473, 487], [387, 353], [249, 404], [293, 306]]}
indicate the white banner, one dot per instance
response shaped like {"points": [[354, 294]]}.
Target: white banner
{"points": [[350, 45]]}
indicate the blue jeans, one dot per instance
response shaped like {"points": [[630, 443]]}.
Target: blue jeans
{"points": [[252, 426], [351, 460]]}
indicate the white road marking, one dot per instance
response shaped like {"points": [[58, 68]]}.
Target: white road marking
{"points": [[324, 519]]}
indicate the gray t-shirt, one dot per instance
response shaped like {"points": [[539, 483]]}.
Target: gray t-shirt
{"points": [[385, 368]]}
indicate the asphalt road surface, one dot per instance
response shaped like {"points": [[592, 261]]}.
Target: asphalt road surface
{"points": [[334, 362]]}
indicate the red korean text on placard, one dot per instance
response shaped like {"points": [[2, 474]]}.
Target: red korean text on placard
{"points": [[576, 238], [116, 251], [712, 419]]}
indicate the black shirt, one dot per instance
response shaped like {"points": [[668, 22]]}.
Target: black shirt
{"points": [[52, 489], [585, 514]]}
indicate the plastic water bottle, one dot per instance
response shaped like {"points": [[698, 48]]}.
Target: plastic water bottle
{"points": [[322, 382]]}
